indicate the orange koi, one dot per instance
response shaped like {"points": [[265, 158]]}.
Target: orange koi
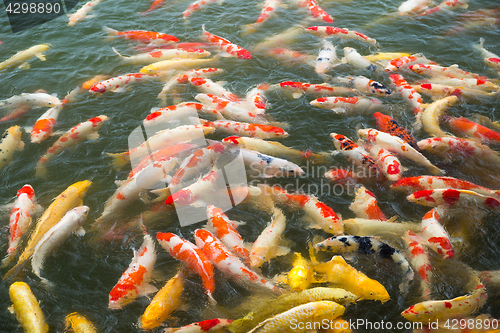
{"points": [[142, 36], [365, 206], [472, 129]]}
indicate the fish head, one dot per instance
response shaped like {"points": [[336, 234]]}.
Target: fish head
{"points": [[28, 190], [423, 197], [98, 88], [291, 171], [417, 312], [121, 295], [320, 102], [363, 133], [82, 212], [334, 244], [15, 132], [372, 290], [202, 237], [98, 121], [82, 187], [243, 54], [149, 69], [432, 145]]}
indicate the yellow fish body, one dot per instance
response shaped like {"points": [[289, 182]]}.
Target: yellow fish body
{"points": [[338, 325], [22, 57], [301, 275], [26, 308], [386, 56], [338, 272], [77, 323], [163, 304], [72, 197], [11, 141]]}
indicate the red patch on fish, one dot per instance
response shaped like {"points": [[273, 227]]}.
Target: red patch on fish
{"points": [[208, 324], [451, 196]]}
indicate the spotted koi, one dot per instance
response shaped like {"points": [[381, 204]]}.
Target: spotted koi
{"points": [[348, 105], [44, 125], [471, 83], [268, 11], [142, 36], [299, 88], [155, 5], [328, 31], [230, 110], [317, 12], [419, 259], [389, 164], [38, 99], [290, 57], [404, 61], [81, 14], [451, 197], [179, 111], [203, 189], [197, 5], [209, 325], [256, 98], [209, 87], [327, 58], [440, 91], [11, 142], [440, 71], [266, 166], [117, 84], [364, 85], [226, 46], [389, 125], [434, 234], [446, 5], [247, 129], [412, 6], [407, 92], [472, 129], [365, 205]]}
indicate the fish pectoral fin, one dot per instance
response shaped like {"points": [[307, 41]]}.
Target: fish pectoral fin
{"points": [[80, 232], [40, 56], [93, 136], [297, 94], [339, 111], [147, 288], [282, 250], [24, 65]]}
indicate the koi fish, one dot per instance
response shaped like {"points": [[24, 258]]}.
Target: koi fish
{"points": [[39, 99], [441, 310], [366, 245], [256, 98], [225, 230], [155, 5], [134, 282], [209, 325], [230, 110], [11, 141], [267, 166], [451, 197], [81, 14], [471, 83], [142, 36], [21, 216], [166, 300], [309, 314], [365, 206], [84, 131], [364, 85], [18, 112], [26, 308], [158, 55], [177, 112], [203, 189], [252, 130], [177, 64], [196, 5], [77, 323], [328, 31], [419, 259], [300, 88], [209, 87], [353, 58], [340, 273], [491, 59], [348, 105], [301, 275], [404, 61], [226, 46], [268, 10], [192, 256], [432, 113], [317, 12], [412, 6], [398, 146], [440, 71], [434, 234], [22, 57], [266, 246], [472, 129], [355, 154], [388, 163], [44, 125], [71, 222], [67, 200], [440, 90], [290, 57], [364, 227], [408, 93], [385, 56], [389, 125], [446, 5], [283, 38], [117, 84], [226, 262], [327, 58]]}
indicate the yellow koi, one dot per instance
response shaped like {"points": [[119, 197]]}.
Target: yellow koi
{"points": [[26, 308], [301, 275], [22, 57], [77, 323], [11, 141]]}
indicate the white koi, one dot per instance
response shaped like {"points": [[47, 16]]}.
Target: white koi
{"points": [[159, 55], [34, 100], [22, 57], [82, 13], [11, 141], [327, 58], [432, 113], [353, 58], [266, 166]]}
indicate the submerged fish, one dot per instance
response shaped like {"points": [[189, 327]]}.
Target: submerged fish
{"points": [[26, 308]]}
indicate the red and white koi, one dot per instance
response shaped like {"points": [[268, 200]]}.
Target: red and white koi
{"points": [[266, 166], [327, 58], [290, 57], [440, 71], [247, 129], [256, 98], [356, 154], [44, 125], [472, 83], [328, 32], [21, 216], [490, 58], [389, 164], [451, 197], [365, 206], [472, 129], [440, 91], [300, 88], [408, 93], [207, 86], [398, 146], [230, 110], [117, 84], [226, 46], [227, 232], [446, 5], [267, 245], [419, 259], [11, 141], [18, 112], [412, 6], [316, 11], [404, 61], [86, 130], [226, 262], [434, 234], [134, 282], [142, 36], [155, 5], [433, 112], [177, 112], [203, 189], [191, 255], [348, 105], [81, 14], [196, 5], [33, 100], [158, 55], [364, 85], [353, 58], [209, 325], [268, 10]]}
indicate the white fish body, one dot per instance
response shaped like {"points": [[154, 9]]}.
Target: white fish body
{"points": [[22, 57], [82, 13], [34, 100], [327, 57]]}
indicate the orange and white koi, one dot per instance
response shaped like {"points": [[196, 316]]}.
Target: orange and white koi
{"points": [[209, 325], [355, 154], [317, 213], [398, 146], [440, 71], [448, 5], [433, 112], [365, 205], [471, 83], [404, 61], [256, 98], [407, 92], [353, 58], [142, 36], [412, 6], [452, 197], [364, 85], [21, 216], [177, 112], [39, 99], [44, 125], [290, 57], [434, 234], [155, 5], [389, 164], [345, 177], [436, 90], [18, 112], [158, 55], [134, 282], [268, 10], [226, 46], [432, 311], [433, 182], [327, 58], [203, 189], [348, 105], [191, 255], [419, 259], [209, 87], [196, 5], [86, 130], [81, 14], [247, 129], [266, 246], [230, 110], [11, 141], [328, 32], [472, 129], [27, 309], [316, 11], [226, 230], [171, 65], [226, 262], [366, 245], [490, 58], [300, 88], [117, 84]]}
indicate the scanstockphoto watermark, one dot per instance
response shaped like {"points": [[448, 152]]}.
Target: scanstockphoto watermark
{"points": [[324, 187], [356, 325]]}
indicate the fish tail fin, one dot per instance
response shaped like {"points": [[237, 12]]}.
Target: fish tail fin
{"points": [[120, 159], [114, 50], [248, 29], [109, 32], [41, 171]]}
